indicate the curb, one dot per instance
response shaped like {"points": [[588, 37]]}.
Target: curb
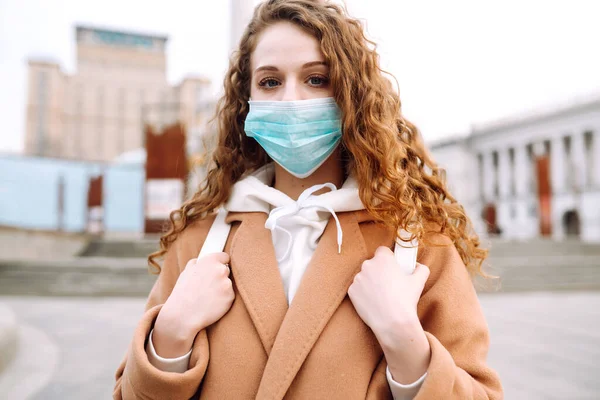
{"points": [[130, 277], [76, 277]]}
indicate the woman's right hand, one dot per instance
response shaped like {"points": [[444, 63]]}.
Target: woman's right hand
{"points": [[202, 295]]}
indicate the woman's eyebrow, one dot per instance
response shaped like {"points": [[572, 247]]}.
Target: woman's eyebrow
{"points": [[266, 68], [273, 68], [313, 63]]}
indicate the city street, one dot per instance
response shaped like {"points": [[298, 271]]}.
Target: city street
{"points": [[545, 345], [127, 124]]}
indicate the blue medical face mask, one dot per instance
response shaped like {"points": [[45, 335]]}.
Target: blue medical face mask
{"points": [[298, 135]]}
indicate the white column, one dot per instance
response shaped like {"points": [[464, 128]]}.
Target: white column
{"points": [[523, 224], [578, 161], [504, 173], [558, 165], [522, 171]]}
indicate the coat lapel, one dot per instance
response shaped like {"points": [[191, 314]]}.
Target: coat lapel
{"points": [[323, 287], [256, 275]]}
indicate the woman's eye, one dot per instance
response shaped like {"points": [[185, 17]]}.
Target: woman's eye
{"points": [[317, 81], [269, 83]]}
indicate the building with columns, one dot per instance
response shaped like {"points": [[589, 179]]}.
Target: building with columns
{"points": [[96, 113], [530, 175]]}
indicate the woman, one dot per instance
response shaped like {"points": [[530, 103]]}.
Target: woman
{"points": [[304, 297]]}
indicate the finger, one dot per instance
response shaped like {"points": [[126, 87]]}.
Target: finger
{"points": [[383, 251], [228, 269], [351, 291], [421, 273], [220, 257]]}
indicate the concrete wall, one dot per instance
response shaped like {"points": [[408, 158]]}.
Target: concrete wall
{"points": [[18, 244]]}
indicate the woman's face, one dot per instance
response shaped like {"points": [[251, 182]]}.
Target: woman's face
{"points": [[287, 65]]}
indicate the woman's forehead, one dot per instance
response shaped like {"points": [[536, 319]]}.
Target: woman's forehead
{"points": [[285, 45]]}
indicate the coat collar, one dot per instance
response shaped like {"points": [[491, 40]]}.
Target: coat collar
{"points": [[288, 335], [256, 274]]}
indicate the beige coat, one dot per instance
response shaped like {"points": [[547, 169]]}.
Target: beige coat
{"points": [[319, 348]]}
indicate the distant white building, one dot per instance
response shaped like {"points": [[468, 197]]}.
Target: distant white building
{"points": [[532, 175]]}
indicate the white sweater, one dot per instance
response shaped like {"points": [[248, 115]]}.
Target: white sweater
{"points": [[296, 227]]}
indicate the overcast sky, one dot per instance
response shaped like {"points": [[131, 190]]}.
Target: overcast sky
{"points": [[457, 62]]}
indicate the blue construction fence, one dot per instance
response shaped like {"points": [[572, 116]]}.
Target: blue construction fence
{"points": [[29, 194]]}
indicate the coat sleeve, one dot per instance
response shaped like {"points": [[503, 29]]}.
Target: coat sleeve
{"points": [[455, 326], [136, 377]]}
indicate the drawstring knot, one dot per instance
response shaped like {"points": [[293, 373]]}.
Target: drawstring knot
{"points": [[306, 200]]}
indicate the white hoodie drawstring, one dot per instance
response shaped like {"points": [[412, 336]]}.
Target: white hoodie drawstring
{"points": [[305, 227], [306, 200]]}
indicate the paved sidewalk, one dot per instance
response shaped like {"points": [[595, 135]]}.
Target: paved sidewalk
{"points": [[544, 345]]}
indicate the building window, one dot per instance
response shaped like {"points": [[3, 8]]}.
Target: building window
{"points": [[480, 170], [496, 180], [42, 108], [566, 167], [533, 210], [78, 136], [100, 125], [569, 167], [511, 161], [589, 158], [121, 112], [546, 147], [532, 176]]}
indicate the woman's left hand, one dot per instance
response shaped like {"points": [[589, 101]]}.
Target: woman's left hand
{"points": [[386, 299]]}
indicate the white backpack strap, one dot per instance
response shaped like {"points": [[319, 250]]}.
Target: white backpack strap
{"points": [[217, 235], [406, 253]]}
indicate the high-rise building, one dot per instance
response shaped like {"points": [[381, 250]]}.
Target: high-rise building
{"points": [[97, 113]]}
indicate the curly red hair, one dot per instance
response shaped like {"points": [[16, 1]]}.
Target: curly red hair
{"points": [[399, 183]]}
